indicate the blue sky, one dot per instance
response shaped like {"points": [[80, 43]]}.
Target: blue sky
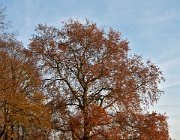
{"points": [[151, 26]]}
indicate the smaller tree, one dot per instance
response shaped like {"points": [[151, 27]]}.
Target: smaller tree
{"points": [[23, 113]]}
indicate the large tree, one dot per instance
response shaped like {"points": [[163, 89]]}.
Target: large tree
{"points": [[96, 89]]}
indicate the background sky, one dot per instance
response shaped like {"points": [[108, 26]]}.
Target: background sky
{"points": [[151, 26]]}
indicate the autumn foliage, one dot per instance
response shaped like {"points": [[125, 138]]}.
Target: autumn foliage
{"points": [[23, 115], [77, 83], [97, 91]]}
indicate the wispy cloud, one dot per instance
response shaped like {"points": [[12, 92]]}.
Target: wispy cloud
{"points": [[159, 17], [171, 71]]}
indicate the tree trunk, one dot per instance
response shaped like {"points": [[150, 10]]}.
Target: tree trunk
{"points": [[3, 132], [85, 112], [12, 131], [6, 136]]}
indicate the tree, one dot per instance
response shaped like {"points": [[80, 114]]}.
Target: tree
{"points": [[144, 126], [21, 101], [3, 22], [96, 90], [23, 114]]}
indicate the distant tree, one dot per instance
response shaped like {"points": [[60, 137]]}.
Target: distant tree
{"points": [[149, 126], [96, 90], [3, 21], [23, 114]]}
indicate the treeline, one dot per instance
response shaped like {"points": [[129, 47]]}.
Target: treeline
{"points": [[77, 83]]}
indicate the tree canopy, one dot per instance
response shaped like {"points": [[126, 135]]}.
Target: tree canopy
{"points": [[96, 90], [77, 83]]}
